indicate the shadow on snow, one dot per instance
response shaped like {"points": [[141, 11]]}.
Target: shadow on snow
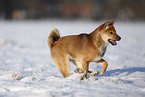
{"points": [[126, 70]]}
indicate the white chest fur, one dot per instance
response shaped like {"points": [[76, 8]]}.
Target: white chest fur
{"points": [[103, 50], [101, 54]]}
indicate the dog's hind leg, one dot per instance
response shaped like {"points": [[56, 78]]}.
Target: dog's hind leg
{"points": [[62, 64]]}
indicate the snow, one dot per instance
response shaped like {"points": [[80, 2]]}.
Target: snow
{"points": [[26, 68]]}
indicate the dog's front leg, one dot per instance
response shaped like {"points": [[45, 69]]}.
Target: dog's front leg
{"points": [[85, 68], [104, 64], [82, 67]]}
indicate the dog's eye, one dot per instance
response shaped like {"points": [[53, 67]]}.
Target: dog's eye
{"points": [[111, 32]]}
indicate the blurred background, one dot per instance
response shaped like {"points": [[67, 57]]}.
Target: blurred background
{"points": [[124, 10]]}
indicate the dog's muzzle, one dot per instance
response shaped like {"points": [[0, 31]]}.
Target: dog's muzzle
{"points": [[113, 41]]}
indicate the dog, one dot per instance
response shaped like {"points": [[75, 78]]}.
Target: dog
{"points": [[82, 49]]}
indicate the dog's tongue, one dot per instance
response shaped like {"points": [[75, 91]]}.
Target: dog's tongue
{"points": [[114, 42]]}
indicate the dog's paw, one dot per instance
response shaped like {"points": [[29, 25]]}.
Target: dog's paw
{"points": [[93, 73], [78, 70], [101, 73], [85, 76]]}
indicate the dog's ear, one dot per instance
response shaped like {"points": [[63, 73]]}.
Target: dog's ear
{"points": [[112, 22], [106, 24]]}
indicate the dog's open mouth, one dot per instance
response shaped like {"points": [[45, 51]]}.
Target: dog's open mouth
{"points": [[113, 42]]}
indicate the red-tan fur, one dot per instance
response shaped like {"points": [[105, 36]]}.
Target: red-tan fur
{"points": [[83, 48]]}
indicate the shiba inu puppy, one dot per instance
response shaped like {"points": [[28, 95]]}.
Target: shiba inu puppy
{"points": [[82, 49]]}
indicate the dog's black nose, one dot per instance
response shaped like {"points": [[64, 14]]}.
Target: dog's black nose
{"points": [[119, 38]]}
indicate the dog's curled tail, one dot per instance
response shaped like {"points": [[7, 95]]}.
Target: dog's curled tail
{"points": [[53, 37]]}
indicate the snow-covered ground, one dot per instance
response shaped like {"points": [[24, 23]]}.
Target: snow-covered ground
{"points": [[26, 68]]}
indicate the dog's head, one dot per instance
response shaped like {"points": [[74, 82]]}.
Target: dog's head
{"points": [[108, 33]]}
